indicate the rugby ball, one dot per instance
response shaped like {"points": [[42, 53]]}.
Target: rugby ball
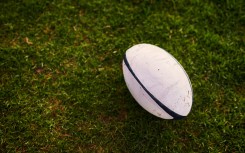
{"points": [[157, 81]]}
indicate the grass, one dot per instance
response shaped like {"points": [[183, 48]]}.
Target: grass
{"points": [[62, 87]]}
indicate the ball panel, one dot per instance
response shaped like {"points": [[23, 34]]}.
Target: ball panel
{"points": [[143, 99]]}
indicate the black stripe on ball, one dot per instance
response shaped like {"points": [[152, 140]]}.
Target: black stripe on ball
{"points": [[165, 108]]}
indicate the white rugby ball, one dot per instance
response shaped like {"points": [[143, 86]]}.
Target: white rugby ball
{"points": [[157, 81]]}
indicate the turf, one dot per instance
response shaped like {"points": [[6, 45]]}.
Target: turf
{"points": [[62, 87]]}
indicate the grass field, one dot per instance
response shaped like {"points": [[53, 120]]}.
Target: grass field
{"points": [[62, 87]]}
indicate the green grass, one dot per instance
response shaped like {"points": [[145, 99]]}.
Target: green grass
{"points": [[62, 87]]}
